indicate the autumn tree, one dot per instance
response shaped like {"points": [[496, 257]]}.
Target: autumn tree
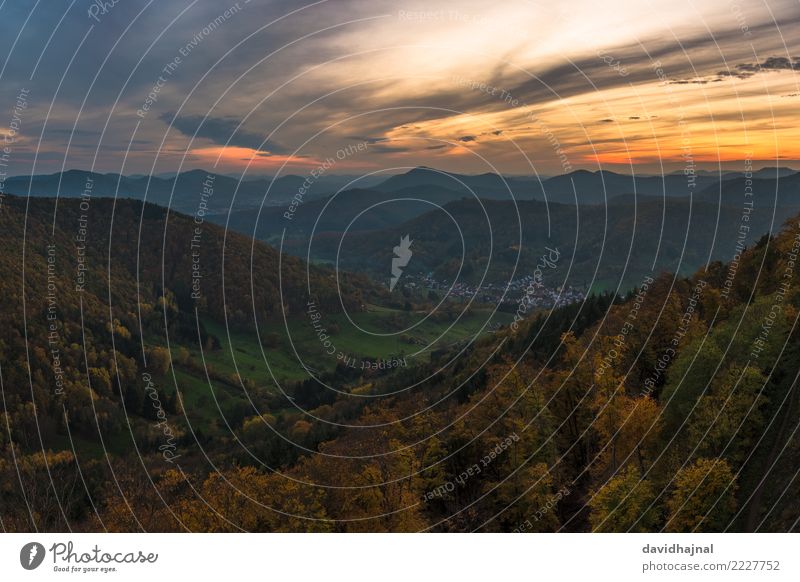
{"points": [[625, 503], [703, 498]]}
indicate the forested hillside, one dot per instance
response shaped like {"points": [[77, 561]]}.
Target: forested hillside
{"points": [[670, 407], [601, 247], [96, 298]]}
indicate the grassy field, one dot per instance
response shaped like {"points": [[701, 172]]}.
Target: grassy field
{"points": [[381, 337], [384, 334]]}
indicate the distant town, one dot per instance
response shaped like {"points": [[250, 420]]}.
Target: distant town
{"points": [[539, 295]]}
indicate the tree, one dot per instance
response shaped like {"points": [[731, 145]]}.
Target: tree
{"points": [[243, 498], [703, 498], [158, 360], [624, 503], [728, 418], [527, 495]]}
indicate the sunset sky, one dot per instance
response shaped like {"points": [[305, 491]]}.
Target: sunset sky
{"points": [[473, 86]]}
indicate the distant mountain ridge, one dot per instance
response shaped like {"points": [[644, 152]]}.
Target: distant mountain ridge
{"points": [[488, 185], [181, 192], [581, 186], [325, 212]]}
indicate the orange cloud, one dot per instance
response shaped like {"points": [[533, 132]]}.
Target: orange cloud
{"points": [[240, 157]]}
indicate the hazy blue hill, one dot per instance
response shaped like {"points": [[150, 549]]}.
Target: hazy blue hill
{"points": [[582, 185], [182, 192], [491, 186], [602, 246], [356, 210], [656, 213], [774, 172], [597, 187], [767, 192]]}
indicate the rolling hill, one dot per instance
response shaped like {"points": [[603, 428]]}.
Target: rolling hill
{"points": [[181, 193], [602, 247]]}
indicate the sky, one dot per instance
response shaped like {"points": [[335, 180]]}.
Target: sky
{"points": [[353, 87]]}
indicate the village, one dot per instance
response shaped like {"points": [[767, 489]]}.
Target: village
{"points": [[539, 296]]}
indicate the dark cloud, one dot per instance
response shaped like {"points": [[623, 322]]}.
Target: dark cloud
{"points": [[745, 71], [221, 131], [386, 149], [736, 74], [467, 138], [693, 81], [772, 64], [73, 132], [369, 140]]}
